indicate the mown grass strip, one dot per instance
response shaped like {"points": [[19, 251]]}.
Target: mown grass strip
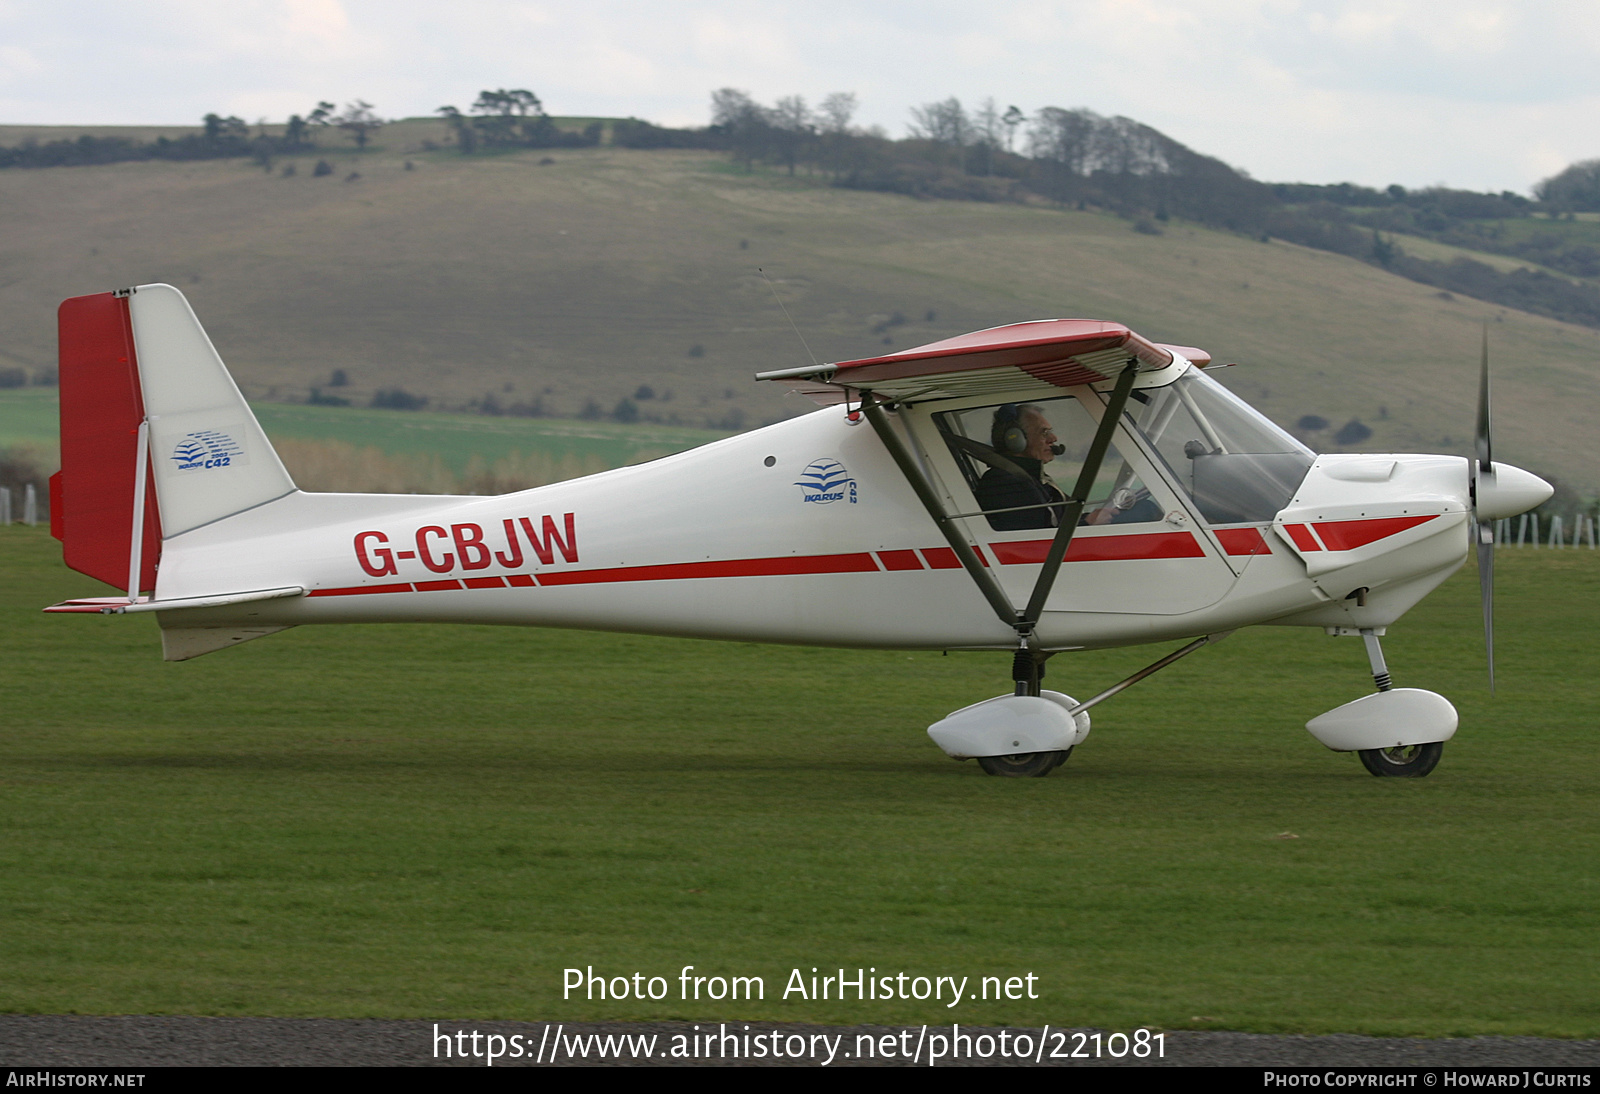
{"points": [[426, 821]]}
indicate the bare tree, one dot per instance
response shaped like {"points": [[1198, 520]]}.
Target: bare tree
{"points": [[730, 107], [988, 131], [791, 113], [1062, 137], [520, 102], [747, 124], [1012, 118], [322, 116], [792, 129], [987, 124], [461, 125], [944, 123], [359, 121], [512, 117], [836, 111], [219, 130]]}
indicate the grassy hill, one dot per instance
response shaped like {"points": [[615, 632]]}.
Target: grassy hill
{"points": [[574, 276]]}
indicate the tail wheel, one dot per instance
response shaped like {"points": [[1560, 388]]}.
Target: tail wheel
{"points": [[1404, 761], [1024, 765]]}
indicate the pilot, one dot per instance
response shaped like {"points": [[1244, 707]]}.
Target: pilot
{"points": [[1022, 434]]}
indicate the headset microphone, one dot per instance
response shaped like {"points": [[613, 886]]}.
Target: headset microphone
{"points": [[1059, 449]]}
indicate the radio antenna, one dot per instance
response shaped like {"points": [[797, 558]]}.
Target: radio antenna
{"points": [[786, 314]]}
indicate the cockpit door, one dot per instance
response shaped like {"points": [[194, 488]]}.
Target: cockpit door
{"points": [[1139, 549]]}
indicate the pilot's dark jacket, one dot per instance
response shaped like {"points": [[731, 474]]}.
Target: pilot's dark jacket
{"points": [[999, 489]]}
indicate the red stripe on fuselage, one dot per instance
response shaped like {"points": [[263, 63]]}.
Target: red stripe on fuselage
{"points": [[900, 560], [1347, 535], [1243, 541], [1103, 548], [1302, 537], [357, 590], [739, 567]]}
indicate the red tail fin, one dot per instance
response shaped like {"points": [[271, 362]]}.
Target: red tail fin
{"points": [[101, 408]]}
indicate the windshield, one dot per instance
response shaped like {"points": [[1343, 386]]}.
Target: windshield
{"points": [[1236, 464]]}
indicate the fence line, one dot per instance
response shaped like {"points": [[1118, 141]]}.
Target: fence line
{"points": [[1584, 528]]}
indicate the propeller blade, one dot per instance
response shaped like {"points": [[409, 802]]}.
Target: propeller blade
{"points": [[1486, 589], [1485, 462], [1483, 468]]}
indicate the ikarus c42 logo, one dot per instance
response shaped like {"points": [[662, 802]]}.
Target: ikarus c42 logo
{"points": [[205, 450], [825, 482]]}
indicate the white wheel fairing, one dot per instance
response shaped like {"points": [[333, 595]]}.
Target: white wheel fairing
{"points": [[1006, 725], [1397, 718]]}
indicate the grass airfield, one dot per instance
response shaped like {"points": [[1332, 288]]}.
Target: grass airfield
{"points": [[420, 821]]}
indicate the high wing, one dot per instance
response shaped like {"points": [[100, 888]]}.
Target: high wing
{"points": [[998, 362], [1060, 352]]}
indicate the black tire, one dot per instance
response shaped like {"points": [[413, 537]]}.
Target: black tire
{"points": [[1024, 765], [1404, 762]]}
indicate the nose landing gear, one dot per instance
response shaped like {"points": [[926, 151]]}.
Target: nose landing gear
{"points": [[1404, 761], [1398, 732]]}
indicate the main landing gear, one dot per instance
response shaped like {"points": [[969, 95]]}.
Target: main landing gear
{"points": [[1027, 670], [1030, 733]]}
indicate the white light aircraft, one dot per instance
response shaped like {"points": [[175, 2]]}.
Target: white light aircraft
{"points": [[916, 510]]}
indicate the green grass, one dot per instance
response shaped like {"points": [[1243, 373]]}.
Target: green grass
{"points": [[436, 821], [30, 416]]}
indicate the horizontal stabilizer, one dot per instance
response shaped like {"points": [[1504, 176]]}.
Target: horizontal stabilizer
{"points": [[183, 643], [117, 605]]}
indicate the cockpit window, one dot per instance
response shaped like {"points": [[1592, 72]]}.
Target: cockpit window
{"points": [[1236, 464], [1022, 459]]}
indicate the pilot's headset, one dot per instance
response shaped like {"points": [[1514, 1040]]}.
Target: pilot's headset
{"points": [[1007, 434]]}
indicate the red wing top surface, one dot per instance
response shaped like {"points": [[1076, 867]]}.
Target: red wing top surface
{"points": [[1061, 352]]}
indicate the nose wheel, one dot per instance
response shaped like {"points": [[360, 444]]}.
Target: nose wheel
{"points": [[1024, 765], [1403, 762]]}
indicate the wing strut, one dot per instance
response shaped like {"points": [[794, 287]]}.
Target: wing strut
{"points": [[1027, 671], [930, 501], [1073, 511]]}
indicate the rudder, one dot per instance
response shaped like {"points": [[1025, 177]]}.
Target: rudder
{"points": [[141, 356], [92, 496]]}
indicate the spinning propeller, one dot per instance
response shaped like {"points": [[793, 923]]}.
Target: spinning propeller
{"points": [[1483, 478], [1497, 492]]}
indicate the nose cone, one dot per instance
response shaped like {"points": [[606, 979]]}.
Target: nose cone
{"points": [[1507, 491]]}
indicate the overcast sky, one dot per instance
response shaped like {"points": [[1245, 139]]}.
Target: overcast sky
{"points": [[1479, 94]]}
